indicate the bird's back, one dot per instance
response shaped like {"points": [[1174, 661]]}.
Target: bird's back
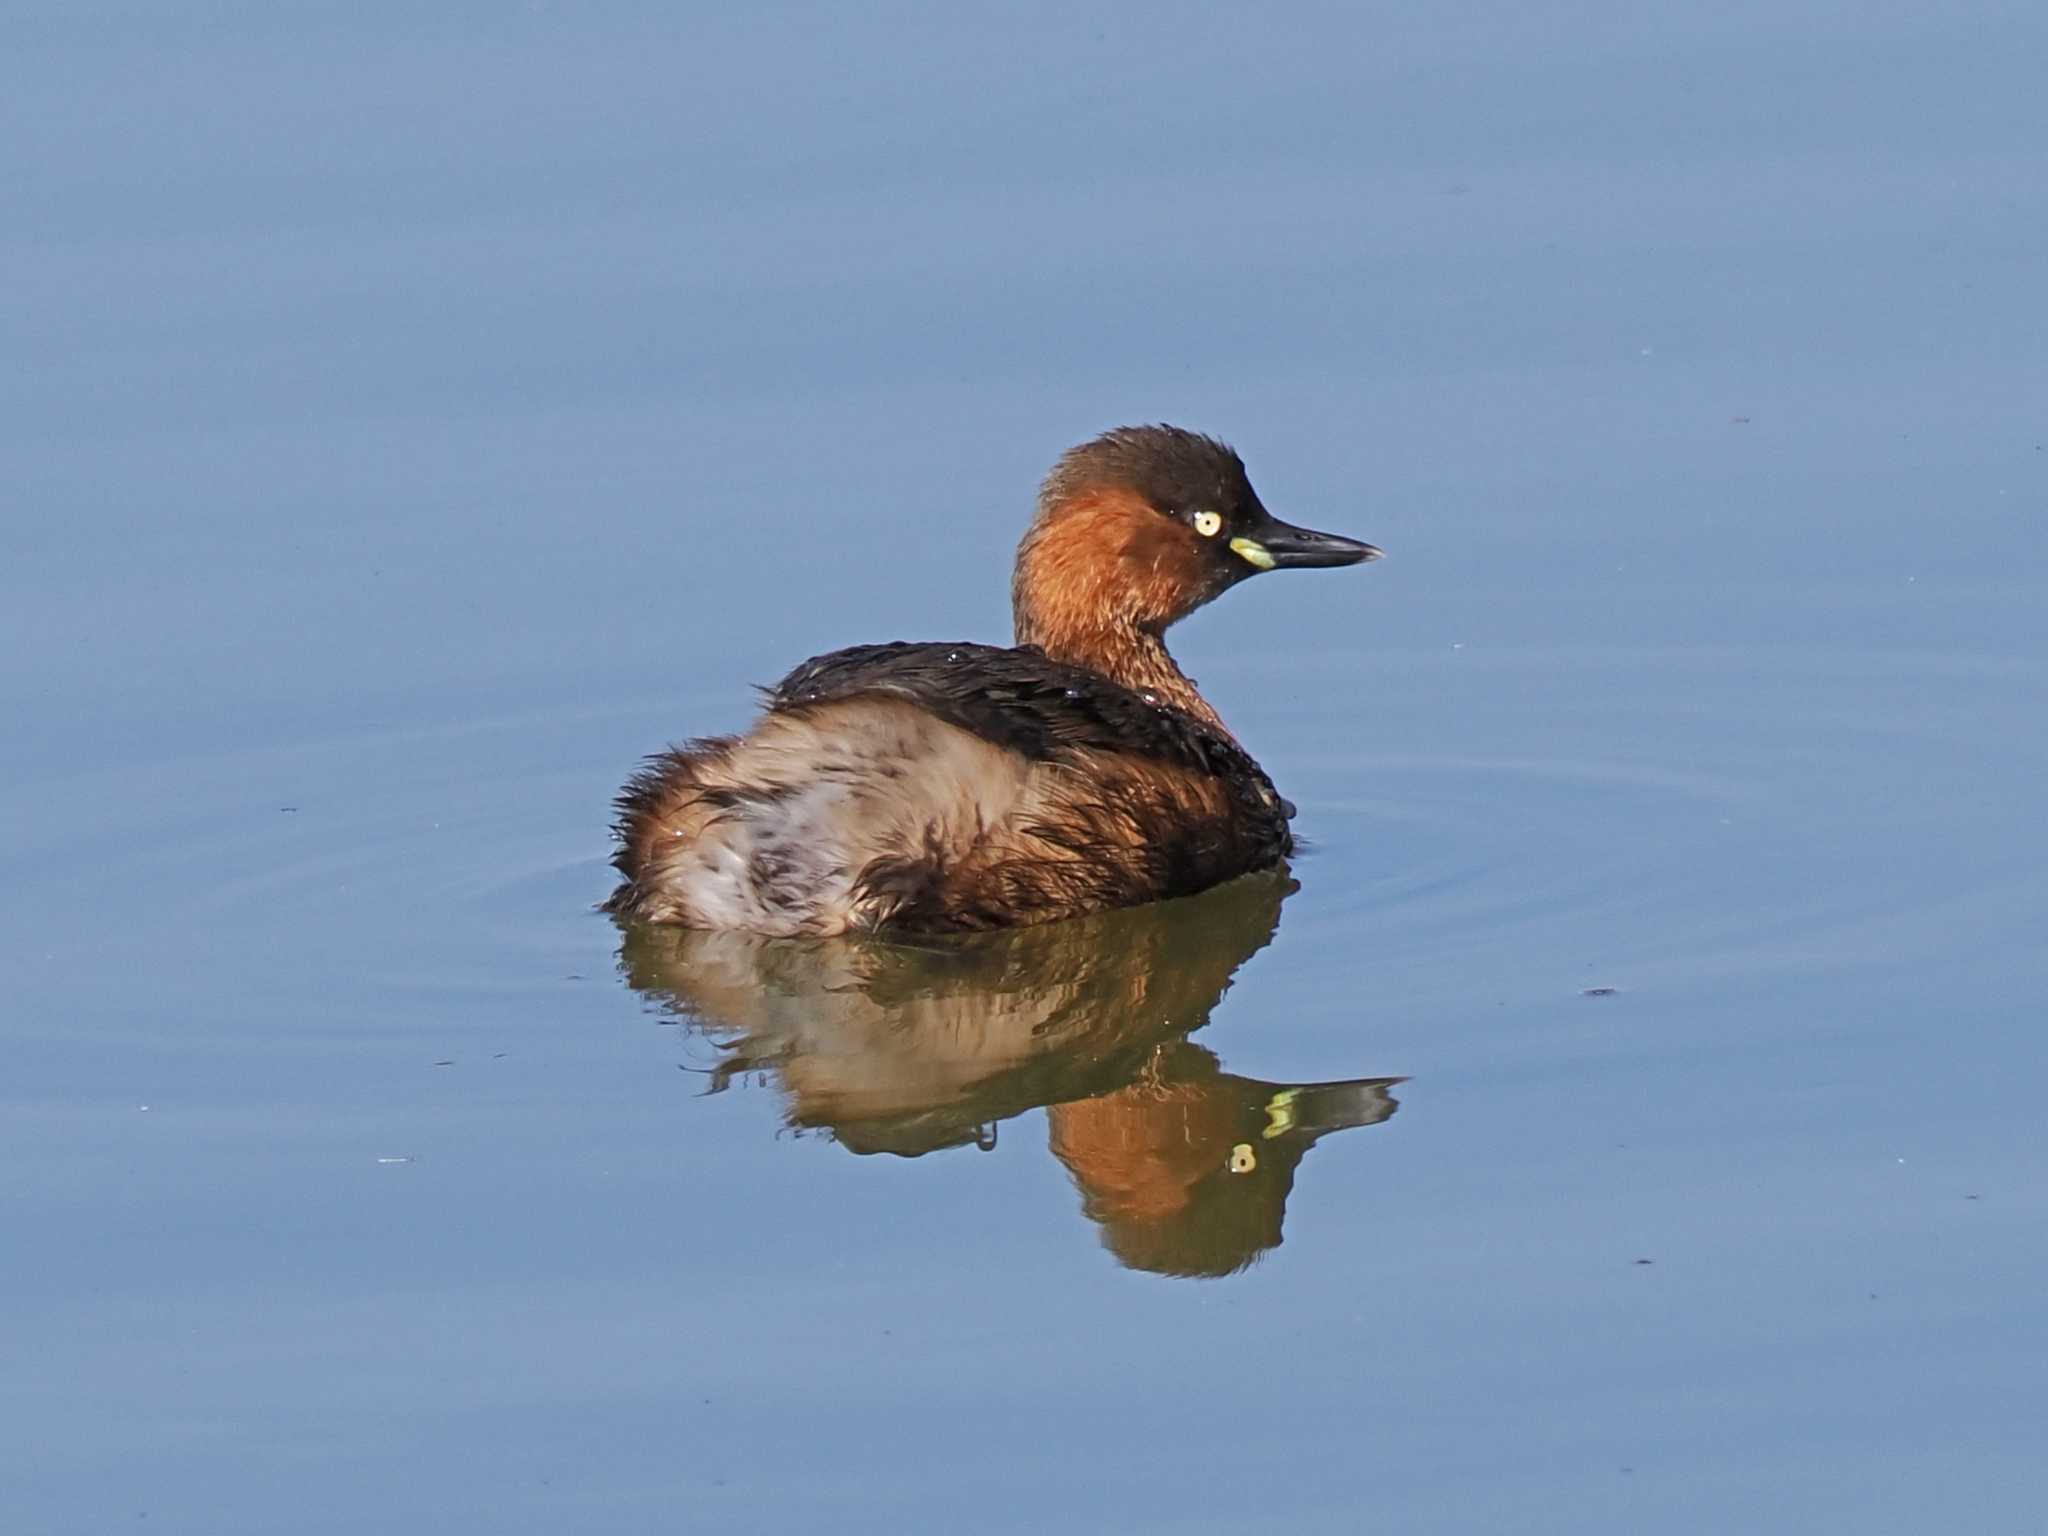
{"points": [[933, 787]]}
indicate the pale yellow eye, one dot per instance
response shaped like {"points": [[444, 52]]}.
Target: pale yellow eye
{"points": [[1207, 524]]}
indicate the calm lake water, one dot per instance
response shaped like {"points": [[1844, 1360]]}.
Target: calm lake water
{"points": [[1631, 1122]]}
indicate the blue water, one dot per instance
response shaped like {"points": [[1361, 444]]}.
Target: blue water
{"points": [[416, 416]]}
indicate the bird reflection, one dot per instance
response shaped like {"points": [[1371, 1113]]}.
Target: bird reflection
{"points": [[1186, 1168]]}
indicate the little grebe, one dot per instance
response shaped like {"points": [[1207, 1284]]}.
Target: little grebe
{"points": [[936, 787]]}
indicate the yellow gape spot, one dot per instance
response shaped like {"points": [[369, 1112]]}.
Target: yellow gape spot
{"points": [[1242, 1158], [1253, 551], [1280, 1113], [1206, 524]]}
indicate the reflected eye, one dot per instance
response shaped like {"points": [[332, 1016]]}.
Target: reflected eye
{"points": [[1207, 524]]}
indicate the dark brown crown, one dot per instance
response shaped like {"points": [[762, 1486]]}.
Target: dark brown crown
{"points": [[1173, 469]]}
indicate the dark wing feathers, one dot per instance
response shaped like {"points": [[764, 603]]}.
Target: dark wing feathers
{"points": [[1022, 700], [1017, 698]]}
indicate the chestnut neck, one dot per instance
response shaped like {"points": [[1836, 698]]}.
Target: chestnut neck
{"points": [[1125, 652]]}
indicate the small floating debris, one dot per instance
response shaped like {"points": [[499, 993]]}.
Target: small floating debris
{"points": [[1598, 991], [397, 1159], [1646, 1261]]}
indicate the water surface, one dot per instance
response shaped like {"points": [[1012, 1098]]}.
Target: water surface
{"points": [[417, 417]]}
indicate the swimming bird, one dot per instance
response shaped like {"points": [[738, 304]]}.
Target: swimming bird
{"points": [[944, 787]]}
